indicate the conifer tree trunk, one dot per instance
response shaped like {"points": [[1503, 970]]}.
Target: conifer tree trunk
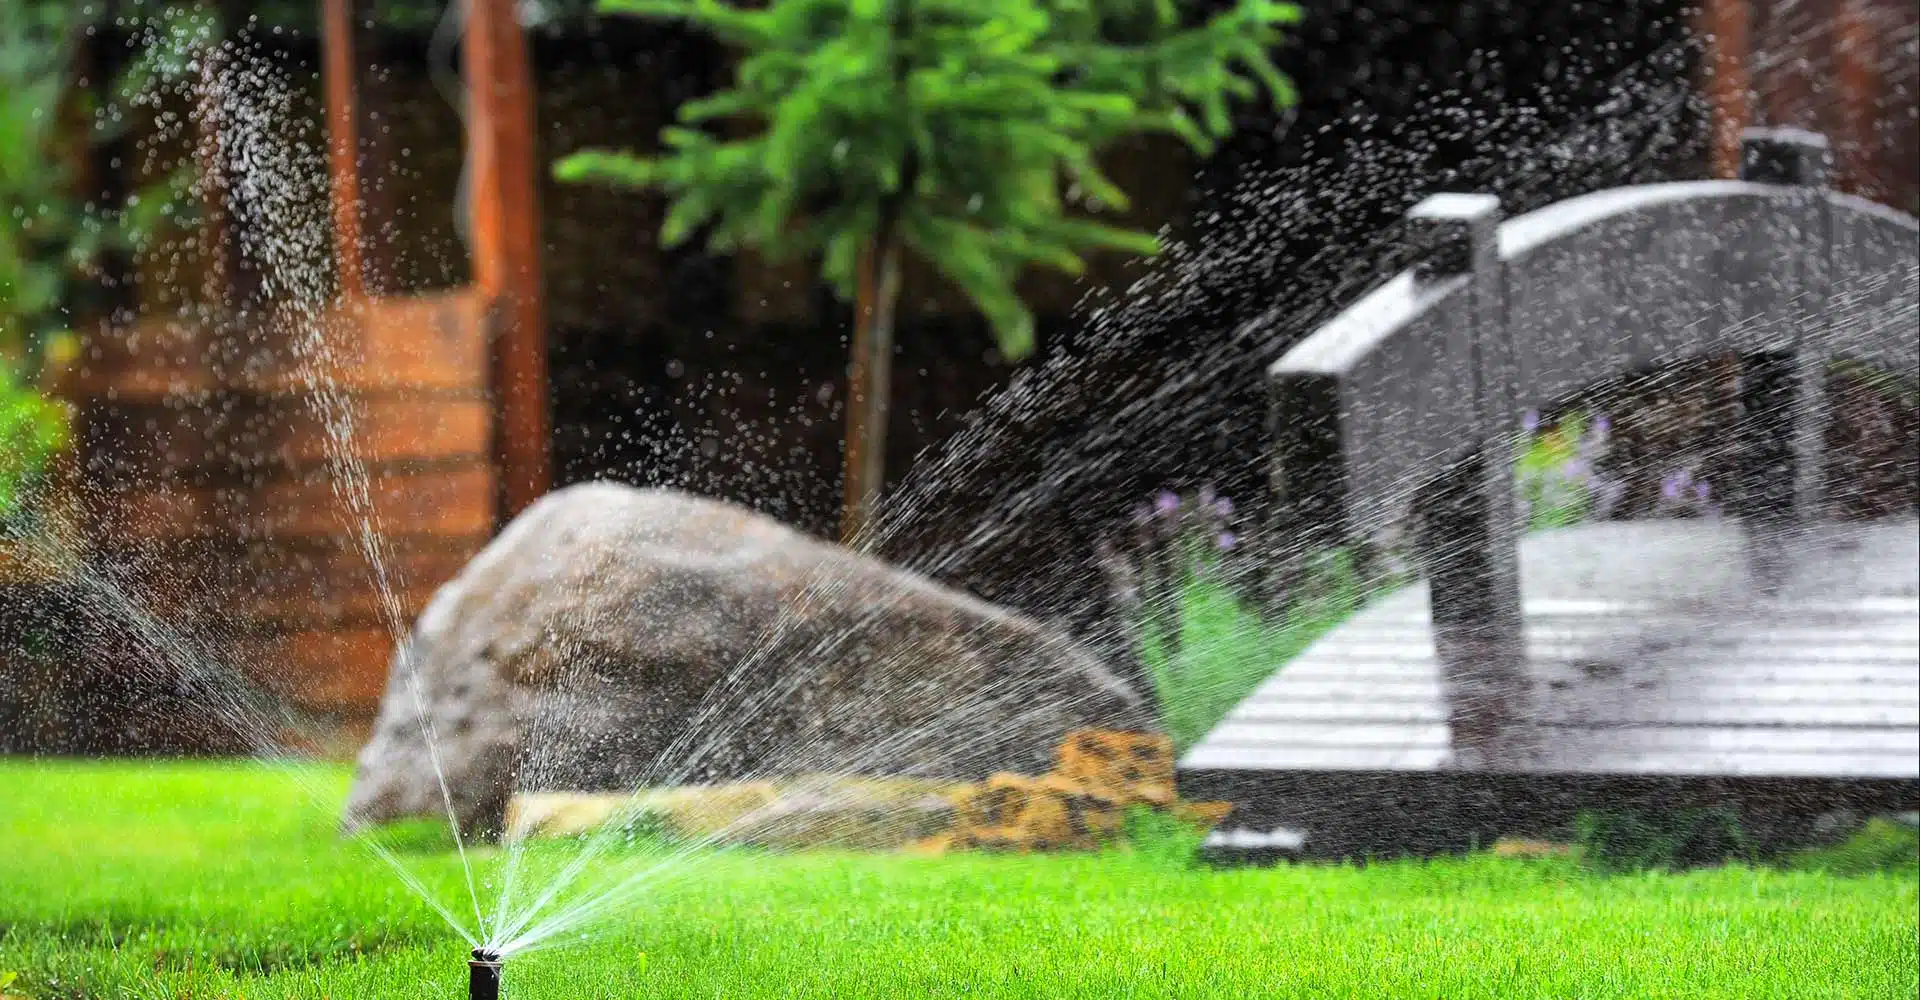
{"points": [[870, 384]]}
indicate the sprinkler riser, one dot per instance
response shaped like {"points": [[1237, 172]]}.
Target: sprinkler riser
{"points": [[483, 976]]}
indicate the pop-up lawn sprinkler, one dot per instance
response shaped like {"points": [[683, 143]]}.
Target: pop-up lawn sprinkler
{"points": [[483, 981]]}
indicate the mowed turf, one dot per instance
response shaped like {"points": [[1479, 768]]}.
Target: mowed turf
{"points": [[177, 880]]}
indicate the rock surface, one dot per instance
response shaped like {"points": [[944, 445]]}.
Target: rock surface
{"points": [[617, 638]]}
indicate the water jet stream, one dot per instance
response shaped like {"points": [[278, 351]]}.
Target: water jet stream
{"points": [[289, 239], [1188, 275]]}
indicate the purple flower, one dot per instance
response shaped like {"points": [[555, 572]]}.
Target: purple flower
{"points": [[1700, 491], [1601, 425], [1606, 496], [1223, 507], [1593, 443], [1227, 541], [1674, 485], [1206, 496], [1167, 502], [1530, 422], [1577, 470]]}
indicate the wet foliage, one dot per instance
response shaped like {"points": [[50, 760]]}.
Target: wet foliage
{"points": [[1190, 578], [33, 428], [1614, 841]]}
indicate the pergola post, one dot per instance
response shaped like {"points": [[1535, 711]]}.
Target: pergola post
{"points": [[506, 246], [504, 216], [1782, 486], [1468, 530], [343, 146], [1726, 29], [1857, 72]]}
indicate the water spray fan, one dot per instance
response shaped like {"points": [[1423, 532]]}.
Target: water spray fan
{"points": [[483, 975]]}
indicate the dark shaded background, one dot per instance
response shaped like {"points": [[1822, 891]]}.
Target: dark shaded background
{"points": [[725, 376]]}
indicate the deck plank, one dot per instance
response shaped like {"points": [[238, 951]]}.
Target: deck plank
{"points": [[1684, 739], [1684, 714], [1649, 655], [1687, 687], [1661, 762]]}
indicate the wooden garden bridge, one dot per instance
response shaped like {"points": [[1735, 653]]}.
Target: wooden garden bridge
{"points": [[1769, 661]]}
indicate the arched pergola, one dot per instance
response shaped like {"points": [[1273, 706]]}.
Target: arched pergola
{"points": [[504, 222], [211, 460]]}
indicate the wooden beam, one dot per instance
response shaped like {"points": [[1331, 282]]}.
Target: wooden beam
{"points": [[343, 143], [1726, 27], [506, 245], [1855, 67]]}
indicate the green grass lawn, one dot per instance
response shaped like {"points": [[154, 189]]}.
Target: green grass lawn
{"points": [[226, 880]]}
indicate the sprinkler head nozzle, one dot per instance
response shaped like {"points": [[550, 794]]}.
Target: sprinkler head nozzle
{"points": [[483, 975]]}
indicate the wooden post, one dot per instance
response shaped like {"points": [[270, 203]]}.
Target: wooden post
{"points": [[506, 246], [1782, 485], [1855, 70], [1468, 530], [343, 144], [1726, 27]]}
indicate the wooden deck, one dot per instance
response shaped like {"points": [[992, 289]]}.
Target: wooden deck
{"points": [[1655, 668]]}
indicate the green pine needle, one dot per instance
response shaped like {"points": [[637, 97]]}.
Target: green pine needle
{"points": [[977, 126]]}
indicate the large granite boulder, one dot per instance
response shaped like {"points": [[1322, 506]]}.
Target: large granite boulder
{"points": [[613, 638]]}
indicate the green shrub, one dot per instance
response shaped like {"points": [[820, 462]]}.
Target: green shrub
{"points": [[1161, 839], [1553, 468], [1223, 648], [51, 238], [32, 430], [1632, 840], [1880, 845], [1185, 578]]}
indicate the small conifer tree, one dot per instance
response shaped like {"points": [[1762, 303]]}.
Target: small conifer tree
{"points": [[966, 132]]}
